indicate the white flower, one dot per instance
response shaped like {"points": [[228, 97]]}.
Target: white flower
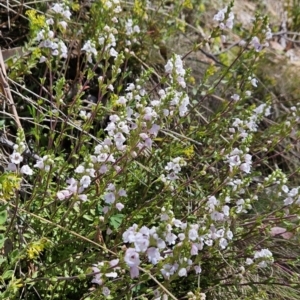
{"points": [[26, 170], [122, 100], [63, 50], [49, 21], [16, 158], [113, 52], [106, 291], [119, 138], [63, 24], [82, 197], [85, 181], [229, 234], [182, 272], [253, 81], [90, 49], [263, 253], [60, 9], [80, 169], [112, 275], [235, 97], [193, 234], [42, 59], [269, 34], [102, 157], [170, 238]]}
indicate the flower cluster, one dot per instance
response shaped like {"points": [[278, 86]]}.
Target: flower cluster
{"points": [[258, 44], [237, 158], [90, 50], [156, 244], [263, 257], [61, 10], [173, 167], [292, 195], [103, 271], [174, 66], [243, 127], [46, 36], [16, 158], [224, 18], [111, 196]]}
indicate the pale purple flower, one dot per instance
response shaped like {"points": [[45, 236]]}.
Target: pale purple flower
{"points": [[119, 206], [132, 257], [141, 243], [73, 185], [109, 198], [153, 255], [197, 269], [97, 276], [62, 195], [256, 44], [129, 235], [11, 167], [122, 193], [194, 249]]}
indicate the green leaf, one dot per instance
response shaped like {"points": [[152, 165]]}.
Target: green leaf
{"points": [[3, 217], [2, 259], [2, 240], [116, 220], [88, 217], [8, 274]]}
